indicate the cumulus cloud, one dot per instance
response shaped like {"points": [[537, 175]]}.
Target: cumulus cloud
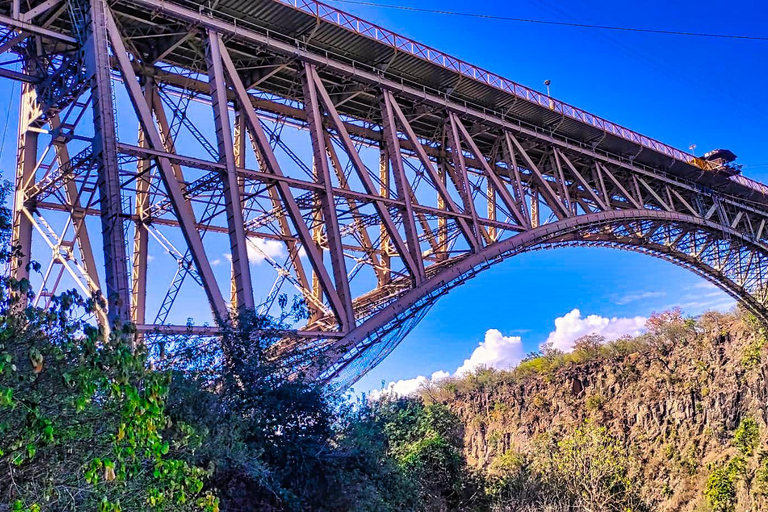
{"points": [[496, 351], [407, 387], [504, 352], [260, 249], [572, 326]]}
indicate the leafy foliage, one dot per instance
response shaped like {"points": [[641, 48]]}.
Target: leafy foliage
{"points": [[83, 423], [426, 443], [746, 436], [720, 489], [591, 467]]}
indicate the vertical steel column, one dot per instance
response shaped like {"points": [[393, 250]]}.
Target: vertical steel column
{"points": [[328, 205], [490, 193], [26, 161], [317, 240], [267, 157], [535, 215], [404, 191], [239, 154], [181, 206], [411, 255], [386, 275], [362, 231], [460, 178], [442, 221], [141, 233], [464, 226], [98, 67], [232, 201], [519, 192]]}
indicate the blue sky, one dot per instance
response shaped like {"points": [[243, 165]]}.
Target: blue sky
{"points": [[681, 90]]}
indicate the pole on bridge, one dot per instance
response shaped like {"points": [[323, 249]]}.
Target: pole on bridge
{"points": [[26, 158], [97, 65]]}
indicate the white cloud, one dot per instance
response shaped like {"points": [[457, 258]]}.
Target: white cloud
{"points": [[407, 387], [504, 352], [719, 302], [632, 297], [215, 262], [259, 249], [704, 285], [572, 326], [496, 351]]}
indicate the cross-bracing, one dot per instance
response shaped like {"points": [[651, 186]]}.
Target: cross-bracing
{"points": [[328, 158]]}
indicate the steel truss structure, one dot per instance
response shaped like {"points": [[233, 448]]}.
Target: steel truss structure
{"points": [[370, 173]]}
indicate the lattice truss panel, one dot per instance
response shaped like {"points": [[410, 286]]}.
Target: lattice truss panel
{"points": [[225, 168]]}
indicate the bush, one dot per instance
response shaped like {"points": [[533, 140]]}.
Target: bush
{"points": [[746, 435], [591, 467], [595, 402], [753, 352], [720, 489]]}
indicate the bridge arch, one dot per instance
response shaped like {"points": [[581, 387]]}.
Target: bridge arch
{"points": [[734, 262]]}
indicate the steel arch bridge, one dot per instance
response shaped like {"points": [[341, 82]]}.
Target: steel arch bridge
{"points": [[327, 156]]}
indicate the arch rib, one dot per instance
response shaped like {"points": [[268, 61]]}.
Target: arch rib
{"points": [[413, 302]]}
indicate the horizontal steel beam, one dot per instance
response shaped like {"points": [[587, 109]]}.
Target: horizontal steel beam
{"points": [[207, 330], [36, 29], [301, 184]]}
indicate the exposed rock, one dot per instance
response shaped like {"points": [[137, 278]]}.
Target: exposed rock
{"points": [[678, 409]]}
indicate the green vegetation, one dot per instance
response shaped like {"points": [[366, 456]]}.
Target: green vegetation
{"points": [[753, 352], [746, 436], [721, 485], [90, 421], [96, 422]]}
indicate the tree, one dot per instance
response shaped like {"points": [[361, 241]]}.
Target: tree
{"points": [[591, 468], [426, 441], [82, 422], [589, 345]]}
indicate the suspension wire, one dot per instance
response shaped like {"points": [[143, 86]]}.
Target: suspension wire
{"points": [[652, 59], [558, 23], [7, 118]]}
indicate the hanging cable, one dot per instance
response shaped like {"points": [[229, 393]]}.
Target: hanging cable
{"points": [[7, 118], [558, 23]]}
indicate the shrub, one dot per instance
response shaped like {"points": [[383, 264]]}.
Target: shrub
{"points": [[761, 475], [746, 435], [753, 352], [720, 489], [592, 467], [595, 402]]}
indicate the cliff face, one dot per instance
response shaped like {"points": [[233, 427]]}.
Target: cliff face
{"points": [[675, 397]]}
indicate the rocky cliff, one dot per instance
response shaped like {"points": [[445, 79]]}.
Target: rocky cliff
{"points": [[680, 398]]}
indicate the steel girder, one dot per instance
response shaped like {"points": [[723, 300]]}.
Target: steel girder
{"points": [[368, 218]]}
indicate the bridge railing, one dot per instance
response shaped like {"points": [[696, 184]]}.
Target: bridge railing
{"points": [[754, 185], [401, 43]]}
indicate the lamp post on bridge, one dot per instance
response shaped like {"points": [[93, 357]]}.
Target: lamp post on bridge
{"points": [[549, 97]]}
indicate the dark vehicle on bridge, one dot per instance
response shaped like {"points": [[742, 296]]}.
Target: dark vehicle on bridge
{"points": [[719, 161]]}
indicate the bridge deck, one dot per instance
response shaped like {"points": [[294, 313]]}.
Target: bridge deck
{"points": [[345, 37]]}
